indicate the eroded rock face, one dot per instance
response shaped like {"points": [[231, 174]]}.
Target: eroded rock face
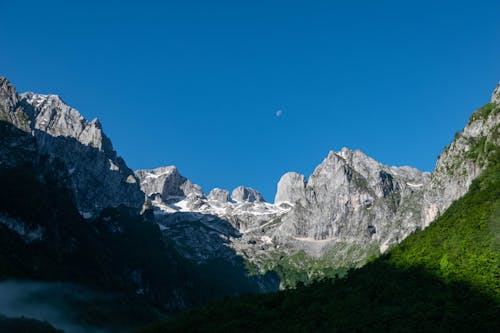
{"points": [[353, 198], [11, 110], [463, 160], [167, 182], [98, 177], [246, 194], [291, 188], [219, 195], [56, 118]]}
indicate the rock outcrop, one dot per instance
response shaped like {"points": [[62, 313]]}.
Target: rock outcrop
{"points": [[246, 194], [98, 177], [291, 188], [167, 182], [11, 110], [170, 193], [463, 160], [219, 195], [353, 198]]}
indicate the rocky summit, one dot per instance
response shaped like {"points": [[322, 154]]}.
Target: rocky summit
{"points": [[353, 198], [97, 176]]}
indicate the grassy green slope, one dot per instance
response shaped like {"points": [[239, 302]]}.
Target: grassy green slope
{"points": [[464, 243], [442, 279]]}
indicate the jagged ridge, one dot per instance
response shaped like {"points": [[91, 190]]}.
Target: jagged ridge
{"points": [[98, 177]]}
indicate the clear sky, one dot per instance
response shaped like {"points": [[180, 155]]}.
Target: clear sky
{"points": [[198, 84]]}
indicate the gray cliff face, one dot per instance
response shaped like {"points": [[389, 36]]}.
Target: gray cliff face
{"points": [[11, 110], [463, 160], [167, 182], [353, 198], [98, 177], [165, 186], [219, 195], [153, 181], [54, 117], [246, 194], [291, 188]]}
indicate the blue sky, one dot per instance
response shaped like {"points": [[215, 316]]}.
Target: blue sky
{"points": [[197, 84]]}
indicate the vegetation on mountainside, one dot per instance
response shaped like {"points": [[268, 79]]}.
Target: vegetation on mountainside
{"points": [[464, 243], [302, 268], [482, 146], [442, 279], [483, 112]]}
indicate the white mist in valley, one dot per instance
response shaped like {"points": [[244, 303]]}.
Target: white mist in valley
{"points": [[60, 304]]}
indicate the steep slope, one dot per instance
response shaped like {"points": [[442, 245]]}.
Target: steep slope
{"points": [[464, 159], [441, 279], [43, 236], [353, 198], [98, 178]]}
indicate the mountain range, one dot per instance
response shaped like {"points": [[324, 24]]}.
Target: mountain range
{"points": [[71, 210]]}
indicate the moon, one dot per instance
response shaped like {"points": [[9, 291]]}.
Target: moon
{"points": [[279, 113]]}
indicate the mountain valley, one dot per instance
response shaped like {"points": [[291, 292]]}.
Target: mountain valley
{"points": [[72, 211]]}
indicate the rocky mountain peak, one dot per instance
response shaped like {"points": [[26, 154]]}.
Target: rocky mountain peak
{"points": [[8, 93], [246, 194], [350, 197], [97, 123], [291, 188], [167, 182], [219, 195], [53, 116], [97, 176], [10, 108]]}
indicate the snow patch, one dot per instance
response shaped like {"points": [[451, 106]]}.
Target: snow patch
{"points": [[112, 166]]}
